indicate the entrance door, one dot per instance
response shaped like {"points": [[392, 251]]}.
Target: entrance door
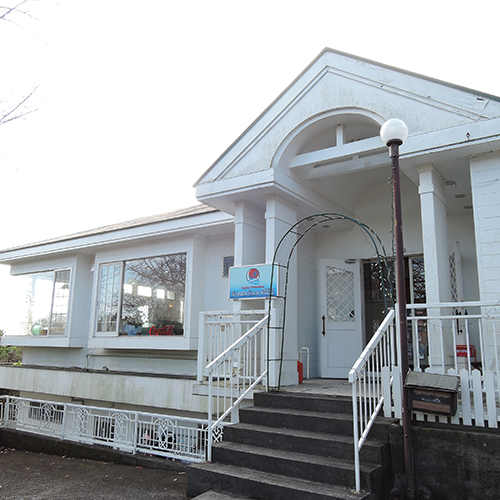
{"points": [[340, 337]]}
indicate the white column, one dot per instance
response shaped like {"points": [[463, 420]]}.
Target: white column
{"points": [[436, 258], [249, 235], [434, 234], [249, 243], [279, 218]]}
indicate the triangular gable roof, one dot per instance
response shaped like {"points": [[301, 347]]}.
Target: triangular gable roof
{"points": [[446, 104]]}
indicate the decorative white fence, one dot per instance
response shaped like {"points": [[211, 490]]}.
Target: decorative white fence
{"points": [[232, 375], [219, 330], [154, 434], [461, 339]]}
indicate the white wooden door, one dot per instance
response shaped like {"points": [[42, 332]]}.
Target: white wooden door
{"points": [[340, 338]]}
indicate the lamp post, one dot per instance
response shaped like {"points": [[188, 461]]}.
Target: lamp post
{"points": [[393, 133]]}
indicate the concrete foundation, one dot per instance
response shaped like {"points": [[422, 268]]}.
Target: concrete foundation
{"points": [[450, 462]]}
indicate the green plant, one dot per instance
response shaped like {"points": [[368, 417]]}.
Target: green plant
{"points": [[10, 354]]}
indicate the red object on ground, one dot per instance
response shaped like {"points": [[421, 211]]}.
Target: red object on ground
{"points": [[462, 351], [300, 369]]}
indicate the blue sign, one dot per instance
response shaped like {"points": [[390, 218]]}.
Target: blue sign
{"points": [[252, 282]]}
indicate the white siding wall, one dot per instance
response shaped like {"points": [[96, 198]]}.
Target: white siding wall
{"points": [[81, 305], [374, 210], [217, 286], [308, 313], [485, 177], [461, 229]]}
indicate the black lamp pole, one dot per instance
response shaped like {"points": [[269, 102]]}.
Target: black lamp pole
{"points": [[394, 132]]}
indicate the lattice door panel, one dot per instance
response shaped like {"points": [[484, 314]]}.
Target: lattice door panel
{"points": [[339, 294]]}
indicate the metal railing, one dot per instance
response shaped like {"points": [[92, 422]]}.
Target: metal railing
{"points": [[232, 375], [219, 330], [460, 339], [369, 391], [453, 338], [134, 432], [454, 335]]}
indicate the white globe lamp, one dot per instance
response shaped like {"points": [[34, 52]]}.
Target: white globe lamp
{"points": [[394, 131]]}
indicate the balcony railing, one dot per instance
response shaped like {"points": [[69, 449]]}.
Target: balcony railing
{"points": [[134, 432]]}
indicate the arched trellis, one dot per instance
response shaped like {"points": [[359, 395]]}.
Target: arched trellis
{"points": [[308, 223]]}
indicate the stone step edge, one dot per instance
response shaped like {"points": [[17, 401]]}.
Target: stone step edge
{"points": [[329, 436], [276, 480], [347, 465]]}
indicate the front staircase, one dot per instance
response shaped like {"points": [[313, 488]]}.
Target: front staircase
{"points": [[293, 445]]}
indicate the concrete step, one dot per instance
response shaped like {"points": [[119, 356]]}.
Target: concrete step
{"points": [[293, 445], [329, 423], [300, 401], [310, 420], [261, 485], [300, 465], [300, 441]]}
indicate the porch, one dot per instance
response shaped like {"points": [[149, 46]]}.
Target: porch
{"points": [[459, 341], [454, 339]]}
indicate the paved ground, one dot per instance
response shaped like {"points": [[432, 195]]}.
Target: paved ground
{"points": [[323, 386], [36, 476]]}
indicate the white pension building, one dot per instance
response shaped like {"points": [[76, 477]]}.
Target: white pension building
{"points": [[114, 316]]}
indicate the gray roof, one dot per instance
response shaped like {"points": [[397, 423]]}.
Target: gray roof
{"points": [[143, 221]]}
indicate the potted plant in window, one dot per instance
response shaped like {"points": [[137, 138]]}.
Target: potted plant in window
{"points": [[146, 327], [131, 325]]}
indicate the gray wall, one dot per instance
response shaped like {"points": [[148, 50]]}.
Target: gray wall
{"points": [[451, 462]]}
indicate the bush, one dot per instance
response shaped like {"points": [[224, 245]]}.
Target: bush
{"points": [[10, 354]]}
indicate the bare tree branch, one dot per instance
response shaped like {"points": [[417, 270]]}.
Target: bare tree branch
{"points": [[17, 111], [8, 116], [10, 10]]}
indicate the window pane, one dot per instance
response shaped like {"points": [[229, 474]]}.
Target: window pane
{"points": [[60, 303], [43, 300], [109, 296], [154, 296], [339, 294], [418, 272]]}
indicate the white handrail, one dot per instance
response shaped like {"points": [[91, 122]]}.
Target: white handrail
{"points": [[218, 330], [368, 392], [232, 375], [223, 356], [371, 346]]}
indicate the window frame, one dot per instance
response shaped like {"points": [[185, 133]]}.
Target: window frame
{"points": [[227, 263], [51, 311], [68, 303], [115, 334], [108, 333]]}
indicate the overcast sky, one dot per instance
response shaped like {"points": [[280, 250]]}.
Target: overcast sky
{"points": [[135, 100]]}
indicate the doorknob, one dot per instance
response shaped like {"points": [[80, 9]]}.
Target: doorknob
{"points": [[324, 328]]}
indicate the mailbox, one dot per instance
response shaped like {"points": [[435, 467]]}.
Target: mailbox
{"points": [[432, 393]]}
